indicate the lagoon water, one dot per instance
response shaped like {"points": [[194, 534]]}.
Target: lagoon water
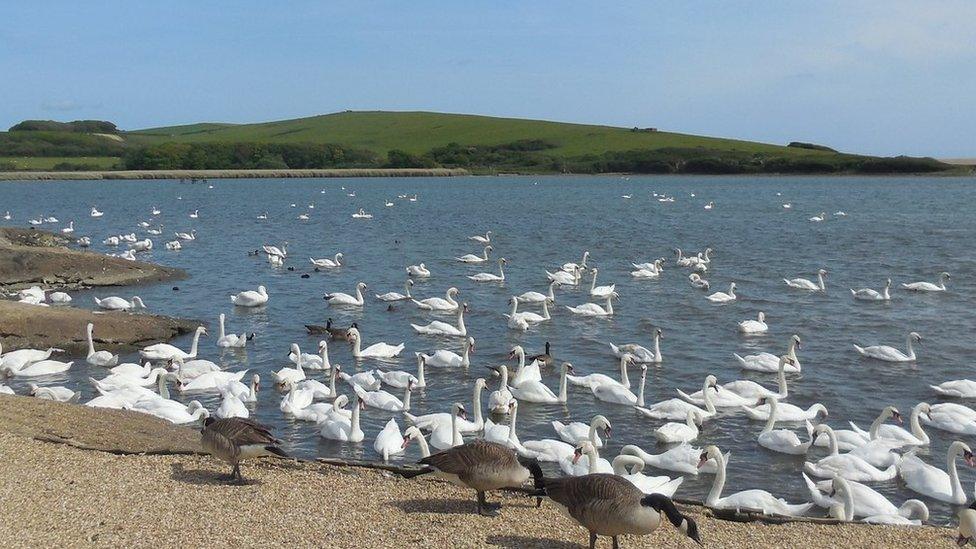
{"points": [[908, 229]]}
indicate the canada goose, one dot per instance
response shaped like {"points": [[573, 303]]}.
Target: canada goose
{"points": [[234, 439], [609, 505], [334, 333], [484, 466], [544, 358]]}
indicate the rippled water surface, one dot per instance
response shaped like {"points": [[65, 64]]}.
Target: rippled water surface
{"points": [[906, 228]]}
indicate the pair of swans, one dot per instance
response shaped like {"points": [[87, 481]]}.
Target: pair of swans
{"points": [[891, 354], [376, 350], [757, 326], [592, 309], [310, 361], [450, 359], [536, 391], [723, 297], [928, 286], [397, 296], [570, 435], [768, 362], [565, 278], [339, 298], [163, 352], [683, 458], [894, 434], [326, 263], [860, 500], [804, 284], [576, 267], [443, 420], [438, 327], [600, 291], [516, 319], [471, 258], [536, 297], [104, 359], [445, 304], [849, 466], [251, 298], [640, 353], [868, 294], [752, 500], [786, 411], [617, 393], [115, 303], [226, 340], [418, 271], [490, 277]]}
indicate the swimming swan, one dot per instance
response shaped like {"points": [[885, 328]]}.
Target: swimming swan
{"points": [[804, 284], [890, 354], [376, 350], [250, 298], [339, 298], [752, 500], [867, 294]]}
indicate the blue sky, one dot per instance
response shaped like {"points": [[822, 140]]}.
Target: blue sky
{"points": [[883, 77]]}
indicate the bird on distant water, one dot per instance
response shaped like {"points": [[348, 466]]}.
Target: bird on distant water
{"points": [[235, 439]]}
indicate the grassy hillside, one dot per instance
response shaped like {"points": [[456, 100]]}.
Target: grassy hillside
{"points": [[419, 132]]}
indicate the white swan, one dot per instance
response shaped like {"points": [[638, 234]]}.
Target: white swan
{"points": [[641, 354], [499, 399], [867, 294], [804, 284], [683, 458], [536, 297], [57, 394], [346, 430], [400, 378], [768, 362], [783, 441], [653, 266], [895, 434], [819, 218], [952, 417], [489, 277], [663, 485], [291, 375], [397, 296], [171, 410], [573, 432], [111, 241], [210, 382], [250, 298], [933, 482], [958, 388], [384, 400], [481, 239], [114, 303], [339, 298], [192, 235], [376, 350], [564, 278], [536, 391], [104, 359], [40, 368], [600, 291], [787, 412], [161, 352], [413, 433], [389, 441], [326, 263], [95, 212], [750, 389], [867, 502], [618, 394], [365, 379], [15, 360], [430, 422], [677, 409], [446, 304], [444, 437], [890, 354], [757, 326], [443, 328], [592, 309], [723, 297], [585, 460], [231, 406], [418, 271], [672, 432], [314, 362], [573, 267], [849, 466], [173, 245], [928, 286], [526, 317], [226, 340], [471, 258], [592, 380], [450, 359], [752, 500]]}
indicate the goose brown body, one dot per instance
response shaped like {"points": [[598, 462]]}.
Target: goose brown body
{"points": [[236, 439]]}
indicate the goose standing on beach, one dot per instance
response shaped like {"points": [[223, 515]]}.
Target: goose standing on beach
{"points": [[114, 303], [890, 354], [484, 466], [928, 286], [339, 298], [867, 294], [104, 359], [639, 353], [804, 284], [251, 298], [235, 439], [609, 505]]}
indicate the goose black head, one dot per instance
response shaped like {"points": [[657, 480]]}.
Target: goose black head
{"points": [[663, 504]]}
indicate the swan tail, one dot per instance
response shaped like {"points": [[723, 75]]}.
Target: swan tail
{"points": [[853, 293], [615, 349], [670, 487], [741, 360], [860, 350], [799, 508], [75, 397], [815, 494], [750, 412], [685, 396], [410, 418]]}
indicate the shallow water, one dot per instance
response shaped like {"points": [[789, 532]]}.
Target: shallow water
{"points": [[906, 228]]}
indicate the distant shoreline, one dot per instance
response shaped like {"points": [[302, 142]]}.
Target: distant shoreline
{"points": [[232, 174]]}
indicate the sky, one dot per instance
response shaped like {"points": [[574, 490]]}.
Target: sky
{"points": [[875, 77]]}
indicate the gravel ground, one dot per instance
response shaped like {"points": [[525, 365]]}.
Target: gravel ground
{"points": [[59, 495]]}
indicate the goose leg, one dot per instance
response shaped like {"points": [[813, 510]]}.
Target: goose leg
{"points": [[236, 473], [616, 544], [592, 540], [486, 509]]}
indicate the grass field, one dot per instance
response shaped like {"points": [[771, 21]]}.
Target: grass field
{"points": [[418, 132], [48, 162]]}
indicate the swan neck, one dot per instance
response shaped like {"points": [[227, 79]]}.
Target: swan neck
{"points": [[562, 386], [831, 442], [424, 448], [917, 430], [657, 347], [420, 373], [163, 389], [91, 342], [640, 392], [719, 483], [707, 397], [326, 365], [911, 350], [624, 378], [222, 333], [876, 426], [332, 378], [504, 383], [196, 341], [354, 423], [957, 492], [512, 437], [476, 400], [592, 456], [465, 356], [781, 381], [771, 420], [552, 294], [406, 398]]}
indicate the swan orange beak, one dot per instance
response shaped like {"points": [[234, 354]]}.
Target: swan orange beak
{"points": [[577, 454], [702, 460]]}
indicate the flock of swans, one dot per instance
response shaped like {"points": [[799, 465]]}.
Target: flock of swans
{"points": [[854, 458]]}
